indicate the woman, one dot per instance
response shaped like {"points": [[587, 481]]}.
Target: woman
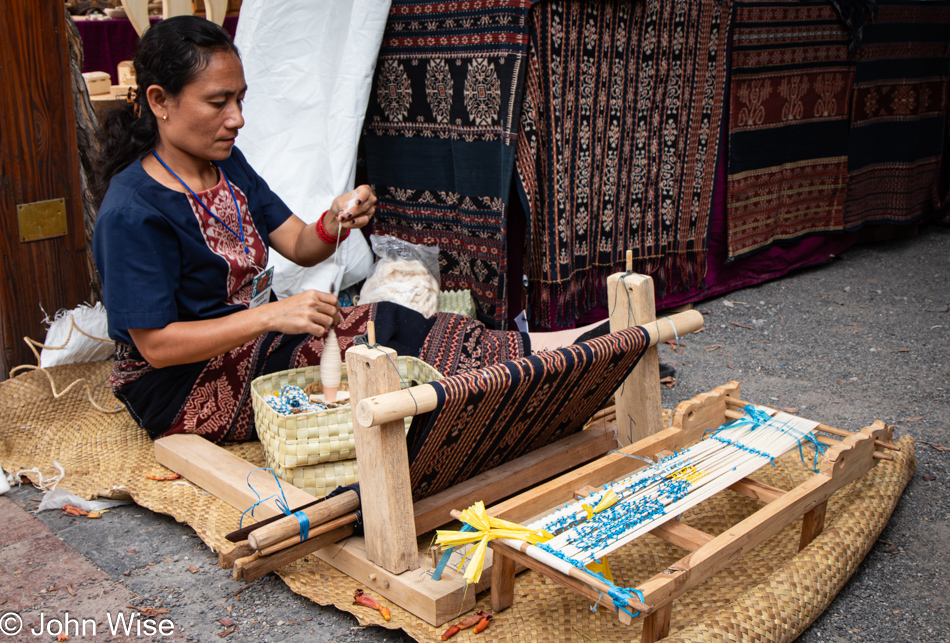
{"points": [[182, 239]]}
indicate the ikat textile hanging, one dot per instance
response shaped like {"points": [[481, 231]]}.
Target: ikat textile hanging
{"points": [[790, 85], [900, 133], [491, 416], [439, 136], [617, 146]]}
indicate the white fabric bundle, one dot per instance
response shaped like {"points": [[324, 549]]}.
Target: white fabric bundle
{"points": [[405, 282], [77, 335]]}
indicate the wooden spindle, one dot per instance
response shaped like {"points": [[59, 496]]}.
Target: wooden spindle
{"points": [[331, 366]]}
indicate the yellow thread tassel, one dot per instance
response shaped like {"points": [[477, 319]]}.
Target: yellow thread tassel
{"points": [[487, 529]]}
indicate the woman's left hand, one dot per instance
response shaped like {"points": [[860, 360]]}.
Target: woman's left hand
{"points": [[351, 210]]}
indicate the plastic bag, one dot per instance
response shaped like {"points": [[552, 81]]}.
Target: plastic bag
{"points": [[406, 274], [57, 498]]}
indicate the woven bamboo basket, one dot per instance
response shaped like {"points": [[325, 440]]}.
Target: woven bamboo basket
{"points": [[316, 437], [317, 479]]}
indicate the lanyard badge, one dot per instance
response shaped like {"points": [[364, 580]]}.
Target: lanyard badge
{"points": [[261, 287]]}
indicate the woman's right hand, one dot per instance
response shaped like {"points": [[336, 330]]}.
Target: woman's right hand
{"points": [[311, 312]]}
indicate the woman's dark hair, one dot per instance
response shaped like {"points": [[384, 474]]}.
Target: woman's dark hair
{"points": [[171, 53]]}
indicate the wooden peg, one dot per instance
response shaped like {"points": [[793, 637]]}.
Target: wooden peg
{"points": [[371, 333]]}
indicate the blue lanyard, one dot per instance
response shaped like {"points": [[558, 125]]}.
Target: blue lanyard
{"points": [[207, 209]]}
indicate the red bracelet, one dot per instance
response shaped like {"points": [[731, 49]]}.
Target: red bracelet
{"points": [[324, 235]]}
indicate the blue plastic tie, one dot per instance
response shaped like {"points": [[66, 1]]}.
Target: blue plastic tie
{"points": [[621, 597]]}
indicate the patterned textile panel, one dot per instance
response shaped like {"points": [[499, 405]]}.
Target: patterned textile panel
{"points": [[617, 146], [899, 126], [439, 136], [491, 416], [791, 80]]}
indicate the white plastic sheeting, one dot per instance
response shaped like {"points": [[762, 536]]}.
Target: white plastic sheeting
{"points": [[309, 68]]}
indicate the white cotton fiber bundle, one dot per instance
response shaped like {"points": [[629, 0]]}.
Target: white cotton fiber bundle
{"points": [[403, 282], [77, 335]]}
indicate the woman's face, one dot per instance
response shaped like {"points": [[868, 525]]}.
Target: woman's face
{"points": [[204, 119]]}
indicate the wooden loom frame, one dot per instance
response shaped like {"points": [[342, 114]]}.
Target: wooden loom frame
{"points": [[843, 463], [387, 559]]}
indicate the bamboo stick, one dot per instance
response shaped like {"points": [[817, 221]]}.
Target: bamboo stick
{"points": [[254, 568]]}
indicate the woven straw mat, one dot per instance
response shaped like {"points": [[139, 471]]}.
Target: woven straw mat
{"points": [[770, 594]]}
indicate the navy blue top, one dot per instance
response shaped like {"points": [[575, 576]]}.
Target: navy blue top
{"points": [[161, 256]]}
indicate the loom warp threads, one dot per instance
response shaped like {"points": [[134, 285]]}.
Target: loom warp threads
{"points": [[664, 490]]}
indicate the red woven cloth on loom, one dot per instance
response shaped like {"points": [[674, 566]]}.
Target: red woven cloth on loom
{"points": [[487, 417], [790, 85]]}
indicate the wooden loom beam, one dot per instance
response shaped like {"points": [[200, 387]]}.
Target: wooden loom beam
{"points": [[681, 535], [639, 408], [383, 460], [756, 490]]}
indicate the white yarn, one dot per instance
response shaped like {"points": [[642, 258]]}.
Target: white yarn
{"points": [[407, 283]]}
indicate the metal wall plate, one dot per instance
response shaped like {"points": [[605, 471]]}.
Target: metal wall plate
{"points": [[41, 219]]}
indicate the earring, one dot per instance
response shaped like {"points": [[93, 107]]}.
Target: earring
{"points": [[165, 118]]}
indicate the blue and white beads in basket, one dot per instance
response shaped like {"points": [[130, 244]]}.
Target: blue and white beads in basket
{"points": [[291, 400]]}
